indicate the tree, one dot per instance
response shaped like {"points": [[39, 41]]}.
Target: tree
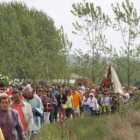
{"points": [[65, 52], [82, 63], [30, 43], [91, 25], [126, 22]]}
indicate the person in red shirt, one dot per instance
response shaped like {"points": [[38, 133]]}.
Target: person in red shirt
{"points": [[25, 112]]}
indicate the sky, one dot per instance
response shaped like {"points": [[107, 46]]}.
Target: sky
{"points": [[60, 12]]}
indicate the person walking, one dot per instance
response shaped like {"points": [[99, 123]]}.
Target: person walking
{"points": [[61, 104], [25, 113], [69, 103], [76, 103], [93, 104], [36, 104], [10, 122]]}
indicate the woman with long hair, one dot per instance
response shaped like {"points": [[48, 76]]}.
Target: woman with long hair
{"points": [[51, 103], [61, 104]]}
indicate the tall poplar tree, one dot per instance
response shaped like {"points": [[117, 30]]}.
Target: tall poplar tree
{"points": [[126, 22], [91, 24]]}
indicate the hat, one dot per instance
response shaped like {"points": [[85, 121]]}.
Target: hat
{"points": [[91, 94], [27, 89], [15, 85]]}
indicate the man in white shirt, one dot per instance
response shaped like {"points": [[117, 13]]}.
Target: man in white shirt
{"points": [[36, 104]]}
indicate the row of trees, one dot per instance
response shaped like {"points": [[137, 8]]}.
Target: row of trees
{"points": [[31, 47], [92, 23]]}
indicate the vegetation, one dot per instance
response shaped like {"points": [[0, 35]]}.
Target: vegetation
{"points": [[91, 26], [126, 22], [86, 128], [31, 46]]}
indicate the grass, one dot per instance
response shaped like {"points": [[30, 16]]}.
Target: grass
{"points": [[82, 128]]}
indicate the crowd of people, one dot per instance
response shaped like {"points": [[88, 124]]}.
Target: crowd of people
{"points": [[24, 109]]}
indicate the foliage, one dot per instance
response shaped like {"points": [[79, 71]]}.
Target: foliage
{"points": [[81, 129], [83, 65], [31, 46], [126, 22], [91, 24], [5, 79]]}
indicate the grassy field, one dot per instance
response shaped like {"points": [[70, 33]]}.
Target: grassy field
{"points": [[124, 125], [82, 128]]}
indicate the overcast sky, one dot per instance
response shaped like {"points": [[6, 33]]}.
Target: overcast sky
{"points": [[59, 11]]}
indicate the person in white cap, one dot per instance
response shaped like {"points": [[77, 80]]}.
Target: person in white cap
{"points": [[36, 104], [93, 104]]}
